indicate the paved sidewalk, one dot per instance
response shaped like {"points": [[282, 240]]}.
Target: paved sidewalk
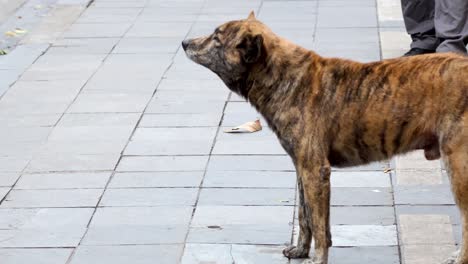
{"points": [[112, 150]]}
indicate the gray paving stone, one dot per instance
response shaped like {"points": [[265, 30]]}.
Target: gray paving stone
{"points": [[362, 16], [171, 147], [21, 134], [184, 107], [450, 210], [150, 197], [45, 218], [83, 46], [419, 254], [361, 196], [143, 65], [35, 255], [220, 94], [250, 179], [189, 71], [262, 142], [97, 30], [423, 195], [362, 215], [109, 15], [360, 179], [135, 235], [88, 147], [365, 255], [63, 180], [30, 238], [180, 120], [251, 163], [374, 166], [4, 191], [102, 82], [100, 120], [237, 113], [91, 133], [91, 101], [72, 162], [8, 179], [138, 225], [364, 51], [202, 87], [156, 179], [120, 4], [211, 253], [430, 229], [143, 254], [77, 67], [164, 14], [29, 120], [13, 163], [162, 163], [225, 253], [171, 141], [342, 3], [246, 197], [241, 224], [147, 45], [158, 29], [22, 56], [52, 198], [352, 35], [364, 235]]}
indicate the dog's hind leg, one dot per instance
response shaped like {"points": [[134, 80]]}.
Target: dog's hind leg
{"points": [[316, 184], [305, 233], [455, 152]]}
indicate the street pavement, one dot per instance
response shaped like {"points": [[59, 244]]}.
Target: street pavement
{"points": [[112, 147]]}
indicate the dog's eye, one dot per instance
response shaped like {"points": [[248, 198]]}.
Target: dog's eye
{"points": [[215, 38]]}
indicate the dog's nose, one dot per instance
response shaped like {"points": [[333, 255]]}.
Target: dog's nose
{"points": [[185, 44]]}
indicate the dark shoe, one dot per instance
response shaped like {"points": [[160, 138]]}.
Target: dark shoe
{"points": [[417, 51]]}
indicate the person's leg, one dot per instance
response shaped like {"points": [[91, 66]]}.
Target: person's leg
{"points": [[419, 22], [451, 24]]}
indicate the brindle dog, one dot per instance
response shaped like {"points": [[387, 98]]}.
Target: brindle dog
{"points": [[334, 112]]}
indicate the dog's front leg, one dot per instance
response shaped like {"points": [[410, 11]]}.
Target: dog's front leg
{"points": [[305, 231], [316, 184]]}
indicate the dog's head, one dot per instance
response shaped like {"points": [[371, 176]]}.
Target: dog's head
{"points": [[230, 50]]}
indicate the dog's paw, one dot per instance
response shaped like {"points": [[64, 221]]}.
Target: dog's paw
{"points": [[294, 252], [311, 261], [452, 259]]}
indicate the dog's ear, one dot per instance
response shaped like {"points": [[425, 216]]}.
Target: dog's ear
{"points": [[251, 16], [251, 48]]}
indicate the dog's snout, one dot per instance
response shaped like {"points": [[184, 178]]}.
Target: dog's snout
{"points": [[185, 44]]}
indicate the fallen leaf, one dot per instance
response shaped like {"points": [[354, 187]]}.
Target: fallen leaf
{"points": [[249, 127], [387, 170], [3, 52], [10, 34], [20, 31]]}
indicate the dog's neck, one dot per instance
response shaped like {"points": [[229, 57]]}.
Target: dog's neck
{"points": [[277, 78]]}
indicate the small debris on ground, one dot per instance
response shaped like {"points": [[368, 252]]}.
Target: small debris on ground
{"points": [[387, 170], [3, 52], [10, 34], [249, 127], [20, 31], [214, 227]]}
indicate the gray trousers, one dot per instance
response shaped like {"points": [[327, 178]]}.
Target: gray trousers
{"points": [[440, 25]]}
